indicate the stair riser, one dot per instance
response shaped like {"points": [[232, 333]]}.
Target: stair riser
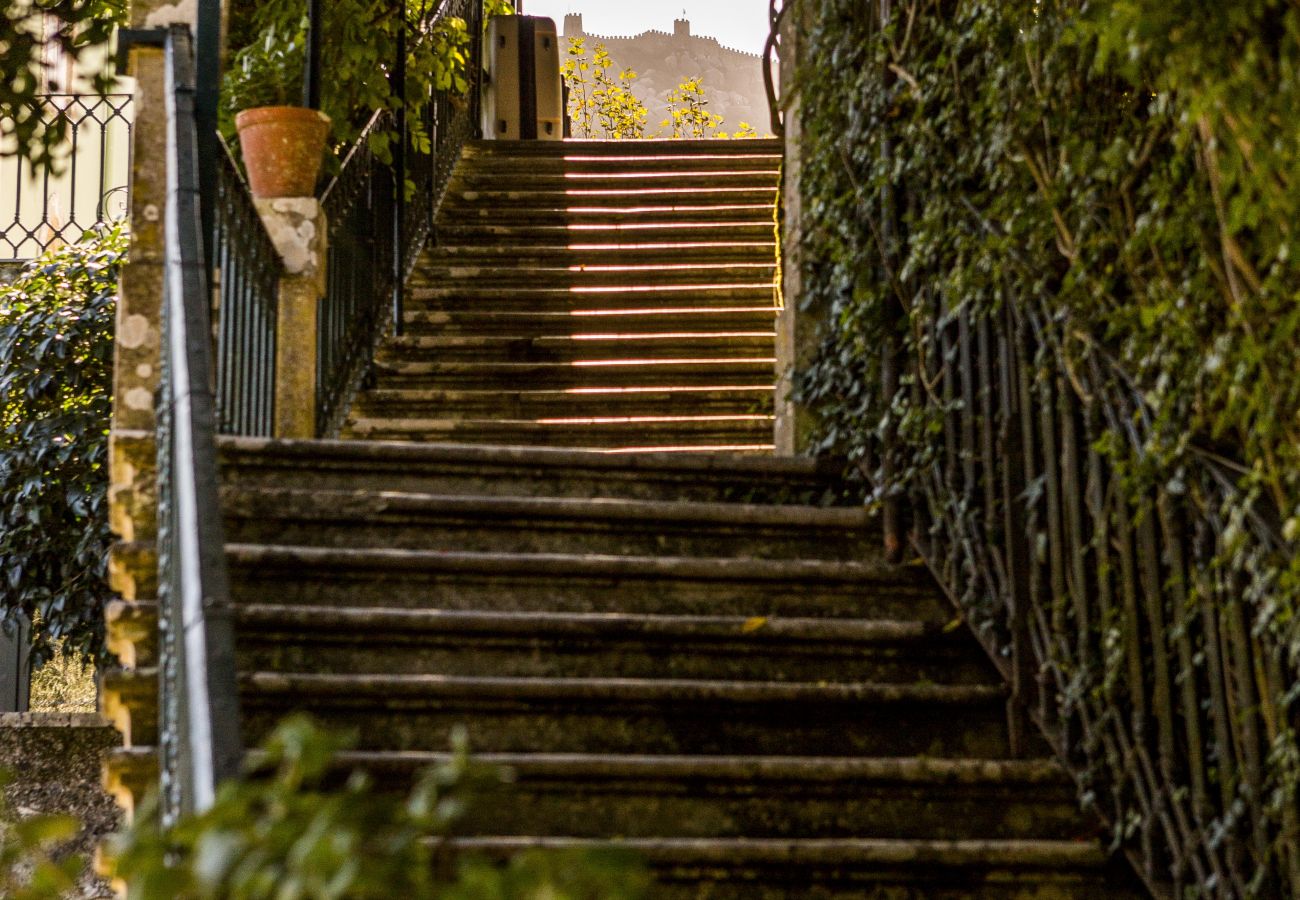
{"points": [[579, 656], [487, 403], [546, 376], [704, 294], [560, 228], [590, 252], [483, 534], [623, 197], [526, 151], [757, 272], [488, 166], [505, 591], [755, 437], [703, 183], [843, 882], [485, 323], [593, 808], [504, 481], [590, 726], [739, 217], [568, 349]]}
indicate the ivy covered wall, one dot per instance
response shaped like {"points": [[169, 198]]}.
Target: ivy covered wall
{"points": [[1130, 171]]}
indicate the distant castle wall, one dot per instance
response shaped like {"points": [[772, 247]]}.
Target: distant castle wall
{"points": [[733, 79]]}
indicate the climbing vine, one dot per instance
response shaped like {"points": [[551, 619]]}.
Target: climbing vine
{"points": [[1128, 170]]}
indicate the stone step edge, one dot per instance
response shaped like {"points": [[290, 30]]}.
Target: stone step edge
{"points": [[407, 690], [283, 452], [261, 557], [363, 624], [918, 770], [576, 147], [1050, 856], [348, 504]]}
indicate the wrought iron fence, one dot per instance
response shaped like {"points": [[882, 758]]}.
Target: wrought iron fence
{"points": [[380, 218], [88, 184], [247, 271], [1111, 604], [359, 209]]}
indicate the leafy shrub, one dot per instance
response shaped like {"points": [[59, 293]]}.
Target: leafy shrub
{"points": [[288, 831], [687, 116], [56, 361], [601, 106]]}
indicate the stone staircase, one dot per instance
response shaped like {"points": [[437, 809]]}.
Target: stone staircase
{"points": [[684, 648], [592, 296]]}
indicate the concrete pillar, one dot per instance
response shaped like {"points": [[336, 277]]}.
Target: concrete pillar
{"points": [[132, 462], [797, 327], [298, 230]]}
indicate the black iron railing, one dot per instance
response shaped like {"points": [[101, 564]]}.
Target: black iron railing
{"points": [[199, 707], [380, 218], [247, 268], [359, 209], [1121, 615], [87, 185]]}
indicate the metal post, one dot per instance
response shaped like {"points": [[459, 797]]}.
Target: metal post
{"points": [[15, 671], [207, 95], [311, 77], [398, 84]]}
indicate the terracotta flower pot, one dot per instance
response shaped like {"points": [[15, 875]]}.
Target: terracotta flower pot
{"points": [[282, 147]]}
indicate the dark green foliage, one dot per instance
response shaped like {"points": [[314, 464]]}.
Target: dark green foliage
{"points": [[295, 827], [78, 24], [56, 360], [1127, 170], [359, 48]]}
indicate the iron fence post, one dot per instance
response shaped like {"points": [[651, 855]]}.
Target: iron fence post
{"points": [[399, 174]]}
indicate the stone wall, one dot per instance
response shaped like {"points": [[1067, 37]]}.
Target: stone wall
{"points": [[57, 759]]}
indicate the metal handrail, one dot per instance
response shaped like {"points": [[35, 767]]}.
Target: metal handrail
{"points": [[199, 704]]}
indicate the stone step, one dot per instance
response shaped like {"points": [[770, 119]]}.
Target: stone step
{"points": [[609, 277], [651, 716], [603, 526], [575, 349], [730, 218], [562, 227], [610, 400], [413, 372], [582, 583], [582, 298], [661, 149], [579, 164], [323, 639], [576, 323], [854, 868], [580, 252], [630, 434], [542, 193], [639, 796], [522, 471], [644, 178]]}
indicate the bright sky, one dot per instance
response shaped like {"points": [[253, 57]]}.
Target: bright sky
{"points": [[736, 23]]}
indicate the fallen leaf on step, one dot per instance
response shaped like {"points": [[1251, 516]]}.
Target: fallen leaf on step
{"points": [[753, 623]]}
